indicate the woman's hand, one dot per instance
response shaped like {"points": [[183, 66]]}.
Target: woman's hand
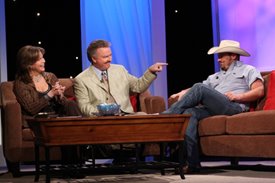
{"points": [[60, 89], [57, 90]]}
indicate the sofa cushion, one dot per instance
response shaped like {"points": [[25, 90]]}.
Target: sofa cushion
{"points": [[256, 122], [68, 83], [134, 102], [258, 105], [239, 145], [214, 125], [270, 96]]}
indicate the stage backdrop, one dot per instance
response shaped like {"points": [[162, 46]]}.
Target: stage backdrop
{"points": [[136, 30], [252, 23]]}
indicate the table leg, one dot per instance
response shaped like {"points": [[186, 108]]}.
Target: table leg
{"points": [[181, 159], [47, 157], [161, 154], [93, 156], [137, 163], [37, 165]]}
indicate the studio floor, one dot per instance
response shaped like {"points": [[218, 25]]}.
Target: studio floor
{"points": [[252, 171]]}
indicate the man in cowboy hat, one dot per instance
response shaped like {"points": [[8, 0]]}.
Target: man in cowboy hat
{"points": [[226, 92]]}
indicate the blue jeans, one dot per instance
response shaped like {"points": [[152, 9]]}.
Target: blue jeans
{"points": [[200, 101]]}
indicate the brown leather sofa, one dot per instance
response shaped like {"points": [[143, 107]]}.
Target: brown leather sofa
{"points": [[250, 134], [18, 146]]}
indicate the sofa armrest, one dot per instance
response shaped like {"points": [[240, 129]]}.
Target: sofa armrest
{"points": [[12, 131], [154, 104], [7, 95]]}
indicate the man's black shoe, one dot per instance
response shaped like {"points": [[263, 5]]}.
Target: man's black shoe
{"points": [[190, 170]]}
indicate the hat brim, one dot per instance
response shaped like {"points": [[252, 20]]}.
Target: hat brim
{"points": [[228, 49]]}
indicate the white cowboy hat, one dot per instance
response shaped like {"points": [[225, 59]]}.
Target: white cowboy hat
{"points": [[230, 47]]}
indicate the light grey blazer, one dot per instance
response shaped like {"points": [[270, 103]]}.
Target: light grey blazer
{"points": [[90, 91]]}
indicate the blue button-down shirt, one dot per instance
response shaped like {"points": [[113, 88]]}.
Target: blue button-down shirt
{"points": [[237, 79]]}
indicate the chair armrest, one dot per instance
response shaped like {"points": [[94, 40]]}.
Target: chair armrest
{"points": [[12, 131], [154, 104]]}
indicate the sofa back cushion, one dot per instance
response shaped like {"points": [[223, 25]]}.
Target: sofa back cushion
{"points": [[68, 83], [258, 105], [8, 96]]}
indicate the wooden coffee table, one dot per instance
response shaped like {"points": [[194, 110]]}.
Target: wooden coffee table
{"points": [[60, 131]]}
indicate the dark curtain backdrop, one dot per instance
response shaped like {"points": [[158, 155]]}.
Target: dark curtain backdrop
{"points": [[188, 38], [57, 29], [141, 31]]}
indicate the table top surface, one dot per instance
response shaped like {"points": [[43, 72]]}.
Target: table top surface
{"points": [[109, 129], [103, 118]]}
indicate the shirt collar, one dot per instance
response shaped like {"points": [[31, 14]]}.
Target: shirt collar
{"points": [[98, 72], [231, 67]]}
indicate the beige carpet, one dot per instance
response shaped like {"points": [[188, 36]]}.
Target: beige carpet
{"points": [[212, 172]]}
